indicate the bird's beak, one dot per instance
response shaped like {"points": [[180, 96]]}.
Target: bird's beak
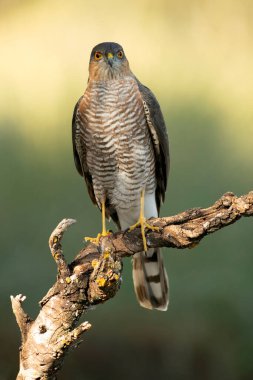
{"points": [[110, 58]]}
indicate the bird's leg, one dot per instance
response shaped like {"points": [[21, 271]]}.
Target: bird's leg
{"points": [[104, 231], [142, 223]]}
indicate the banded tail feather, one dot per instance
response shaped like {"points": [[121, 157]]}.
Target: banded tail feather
{"points": [[150, 280]]}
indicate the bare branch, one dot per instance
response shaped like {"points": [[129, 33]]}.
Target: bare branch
{"points": [[23, 319], [95, 276], [183, 230], [56, 248], [70, 339]]}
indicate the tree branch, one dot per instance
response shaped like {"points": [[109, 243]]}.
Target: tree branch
{"points": [[95, 276], [23, 319]]}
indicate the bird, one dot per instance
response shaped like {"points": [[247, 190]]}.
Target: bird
{"points": [[121, 149]]}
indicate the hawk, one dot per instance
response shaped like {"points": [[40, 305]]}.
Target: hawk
{"points": [[121, 149]]}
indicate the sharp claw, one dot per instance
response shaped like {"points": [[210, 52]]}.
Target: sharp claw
{"points": [[143, 224], [152, 228], [95, 240], [136, 225]]}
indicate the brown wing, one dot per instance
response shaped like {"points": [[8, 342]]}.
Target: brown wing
{"points": [[160, 140], [79, 151]]}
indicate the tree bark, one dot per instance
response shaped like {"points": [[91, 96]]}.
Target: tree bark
{"points": [[95, 276]]}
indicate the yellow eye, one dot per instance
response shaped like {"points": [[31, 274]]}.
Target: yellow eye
{"points": [[98, 55], [120, 54]]}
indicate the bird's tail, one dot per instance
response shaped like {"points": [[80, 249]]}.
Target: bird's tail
{"points": [[150, 279]]}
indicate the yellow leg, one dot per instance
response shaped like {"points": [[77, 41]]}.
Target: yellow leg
{"points": [[104, 231], [142, 223]]}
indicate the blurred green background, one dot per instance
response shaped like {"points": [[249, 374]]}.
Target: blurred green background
{"points": [[197, 56]]}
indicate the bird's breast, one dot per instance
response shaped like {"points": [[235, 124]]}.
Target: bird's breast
{"points": [[119, 151]]}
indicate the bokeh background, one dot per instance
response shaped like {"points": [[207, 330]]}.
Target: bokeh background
{"points": [[197, 56]]}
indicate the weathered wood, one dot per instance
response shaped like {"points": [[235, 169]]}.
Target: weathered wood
{"points": [[95, 276]]}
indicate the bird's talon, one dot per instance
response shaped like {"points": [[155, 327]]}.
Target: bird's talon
{"points": [[152, 228], [93, 240], [136, 225], [143, 224], [96, 239], [106, 233]]}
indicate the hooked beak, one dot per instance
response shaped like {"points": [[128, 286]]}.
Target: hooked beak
{"points": [[110, 58]]}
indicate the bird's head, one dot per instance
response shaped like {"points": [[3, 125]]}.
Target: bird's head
{"points": [[108, 61]]}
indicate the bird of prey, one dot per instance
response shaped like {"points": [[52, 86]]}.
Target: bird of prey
{"points": [[121, 149]]}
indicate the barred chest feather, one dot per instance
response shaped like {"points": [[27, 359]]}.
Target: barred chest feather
{"points": [[112, 127]]}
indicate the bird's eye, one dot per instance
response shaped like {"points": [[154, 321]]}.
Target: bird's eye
{"points": [[120, 54], [98, 55]]}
